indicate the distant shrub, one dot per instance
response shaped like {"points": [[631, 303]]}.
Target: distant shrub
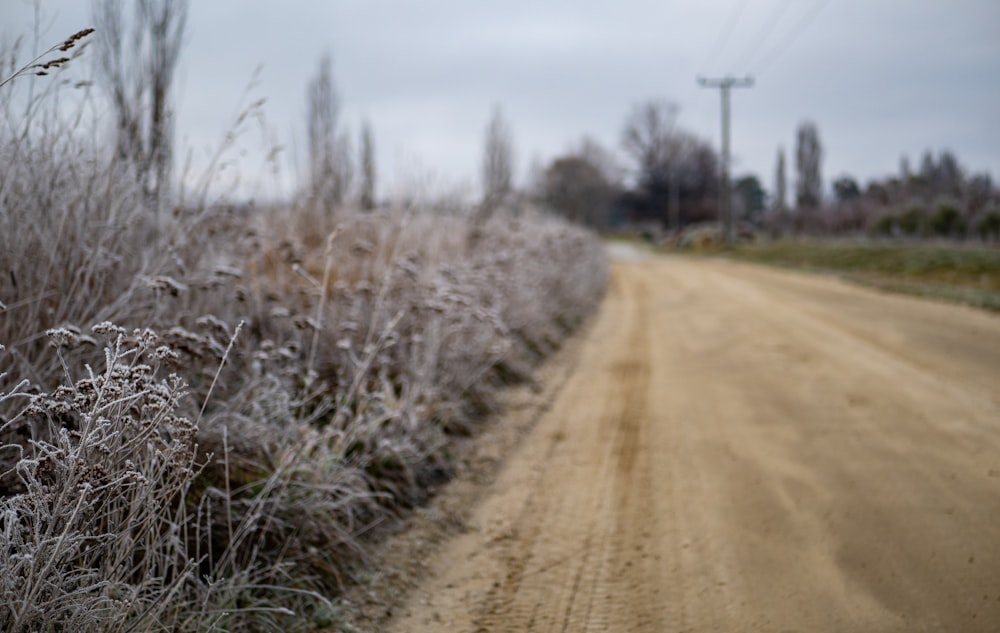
{"points": [[884, 225], [946, 221], [913, 221], [988, 225]]}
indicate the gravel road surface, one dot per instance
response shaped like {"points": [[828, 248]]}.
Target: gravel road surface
{"points": [[743, 449]]}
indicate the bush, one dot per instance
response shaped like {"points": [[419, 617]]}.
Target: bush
{"points": [[988, 226], [885, 225], [913, 221], [947, 221]]}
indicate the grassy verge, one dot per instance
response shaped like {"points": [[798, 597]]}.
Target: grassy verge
{"points": [[224, 454], [951, 272], [208, 416]]}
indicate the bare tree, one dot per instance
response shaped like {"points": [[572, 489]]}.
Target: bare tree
{"points": [[905, 172], [674, 168], [599, 156], [118, 77], [498, 162], [343, 167], [648, 137], [948, 177], [780, 184], [367, 164], [136, 62], [330, 166], [582, 186], [808, 156]]}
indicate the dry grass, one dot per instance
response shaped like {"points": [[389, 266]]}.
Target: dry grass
{"points": [[162, 468]]}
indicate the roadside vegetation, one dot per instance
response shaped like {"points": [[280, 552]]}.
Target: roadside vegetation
{"points": [[209, 411]]}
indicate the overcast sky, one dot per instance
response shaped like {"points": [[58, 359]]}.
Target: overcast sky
{"points": [[880, 78]]}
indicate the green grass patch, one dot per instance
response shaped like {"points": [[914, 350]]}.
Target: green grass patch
{"points": [[953, 272]]}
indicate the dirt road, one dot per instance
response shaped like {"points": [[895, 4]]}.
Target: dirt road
{"points": [[743, 449]]}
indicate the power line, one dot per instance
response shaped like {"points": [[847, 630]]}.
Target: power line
{"points": [[790, 37], [724, 84], [734, 15], [758, 42]]}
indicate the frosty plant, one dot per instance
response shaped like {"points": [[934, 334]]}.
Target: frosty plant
{"points": [[97, 536], [41, 66]]}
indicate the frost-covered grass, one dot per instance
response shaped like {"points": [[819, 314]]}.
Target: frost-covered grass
{"points": [[205, 423]]}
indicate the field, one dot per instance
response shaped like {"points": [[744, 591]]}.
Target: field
{"points": [[948, 271]]}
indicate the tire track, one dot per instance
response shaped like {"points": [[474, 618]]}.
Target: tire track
{"points": [[589, 537]]}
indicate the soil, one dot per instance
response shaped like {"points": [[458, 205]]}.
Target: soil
{"points": [[725, 448]]}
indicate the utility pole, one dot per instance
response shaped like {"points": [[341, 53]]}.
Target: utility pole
{"points": [[725, 197]]}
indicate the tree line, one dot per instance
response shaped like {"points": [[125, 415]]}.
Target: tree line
{"points": [[941, 199], [672, 181]]}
